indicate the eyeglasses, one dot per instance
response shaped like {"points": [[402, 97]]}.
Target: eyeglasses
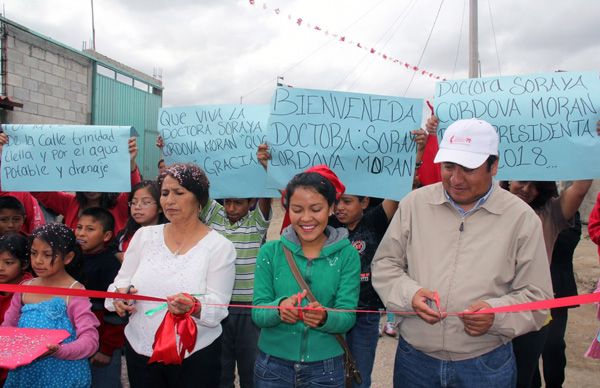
{"points": [[13, 219], [142, 204]]}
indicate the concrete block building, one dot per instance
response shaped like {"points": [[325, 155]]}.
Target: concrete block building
{"points": [[43, 81]]}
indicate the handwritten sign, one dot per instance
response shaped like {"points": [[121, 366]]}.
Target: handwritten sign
{"points": [[546, 122], [21, 346], [66, 158], [365, 139], [223, 140]]}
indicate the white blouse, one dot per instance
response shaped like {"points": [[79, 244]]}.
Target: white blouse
{"points": [[207, 269]]}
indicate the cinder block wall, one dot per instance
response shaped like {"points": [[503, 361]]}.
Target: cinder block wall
{"points": [[53, 83]]}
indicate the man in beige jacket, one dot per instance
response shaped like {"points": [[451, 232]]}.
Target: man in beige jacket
{"points": [[476, 246]]}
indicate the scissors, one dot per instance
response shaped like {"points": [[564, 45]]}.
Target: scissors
{"points": [[436, 303]]}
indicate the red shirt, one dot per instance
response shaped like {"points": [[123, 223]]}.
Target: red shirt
{"points": [[67, 205], [7, 297], [594, 224], [429, 172]]}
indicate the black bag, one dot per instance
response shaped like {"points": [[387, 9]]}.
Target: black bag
{"points": [[352, 374]]}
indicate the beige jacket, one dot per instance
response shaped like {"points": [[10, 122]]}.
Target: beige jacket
{"points": [[499, 257]]}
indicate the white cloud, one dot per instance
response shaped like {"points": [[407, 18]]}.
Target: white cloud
{"points": [[216, 51]]}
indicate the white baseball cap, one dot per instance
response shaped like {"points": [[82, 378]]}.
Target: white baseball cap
{"points": [[468, 143]]}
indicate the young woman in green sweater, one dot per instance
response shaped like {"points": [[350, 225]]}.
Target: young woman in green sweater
{"points": [[297, 342]]}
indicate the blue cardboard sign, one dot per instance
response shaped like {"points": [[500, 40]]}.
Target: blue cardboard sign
{"points": [[66, 158], [546, 122], [365, 139], [222, 140]]}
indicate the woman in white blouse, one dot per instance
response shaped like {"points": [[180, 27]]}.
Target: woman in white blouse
{"points": [[183, 256]]}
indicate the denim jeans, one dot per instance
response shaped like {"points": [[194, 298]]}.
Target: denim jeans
{"points": [[496, 369], [273, 372], [108, 376], [362, 340]]}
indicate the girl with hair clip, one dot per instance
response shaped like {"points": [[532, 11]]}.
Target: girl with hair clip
{"points": [[298, 346], [55, 258]]}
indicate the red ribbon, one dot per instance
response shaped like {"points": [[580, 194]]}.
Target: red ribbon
{"points": [[539, 305], [23, 288], [165, 348], [544, 304], [430, 107]]}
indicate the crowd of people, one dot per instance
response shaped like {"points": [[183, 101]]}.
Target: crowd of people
{"points": [[296, 311]]}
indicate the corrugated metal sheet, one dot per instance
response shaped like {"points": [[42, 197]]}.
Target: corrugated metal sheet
{"points": [[116, 103]]}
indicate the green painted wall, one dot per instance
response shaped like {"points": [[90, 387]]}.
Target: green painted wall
{"points": [[116, 103]]}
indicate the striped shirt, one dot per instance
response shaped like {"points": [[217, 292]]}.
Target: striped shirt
{"points": [[247, 236]]}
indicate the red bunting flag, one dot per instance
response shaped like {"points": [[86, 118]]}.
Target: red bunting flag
{"points": [[299, 21]]}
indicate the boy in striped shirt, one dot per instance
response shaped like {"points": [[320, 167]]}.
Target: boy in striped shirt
{"points": [[245, 225]]}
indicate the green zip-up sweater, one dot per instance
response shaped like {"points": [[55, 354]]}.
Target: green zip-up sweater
{"points": [[334, 278]]}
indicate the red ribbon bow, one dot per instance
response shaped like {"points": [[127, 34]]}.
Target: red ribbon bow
{"points": [[165, 348]]}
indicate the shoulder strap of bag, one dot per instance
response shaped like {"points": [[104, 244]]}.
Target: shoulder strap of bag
{"points": [[309, 294]]}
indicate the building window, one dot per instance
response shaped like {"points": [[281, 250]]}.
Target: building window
{"points": [[140, 85], [124, 79], [105, 71]]}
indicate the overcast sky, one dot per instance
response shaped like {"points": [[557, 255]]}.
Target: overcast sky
{"points": [[214, 52]]}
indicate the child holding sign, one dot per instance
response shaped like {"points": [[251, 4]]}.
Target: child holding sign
{"points": [[71, 205], [55, 253], [243, 222]]}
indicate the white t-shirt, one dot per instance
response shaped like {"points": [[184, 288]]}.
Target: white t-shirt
{"points": [[207, 269]]}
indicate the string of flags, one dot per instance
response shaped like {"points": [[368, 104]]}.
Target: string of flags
{"points": [[344, 39]]}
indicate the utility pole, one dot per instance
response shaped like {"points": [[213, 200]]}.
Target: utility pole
{"points": [[473, 41], [93, 29]]}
